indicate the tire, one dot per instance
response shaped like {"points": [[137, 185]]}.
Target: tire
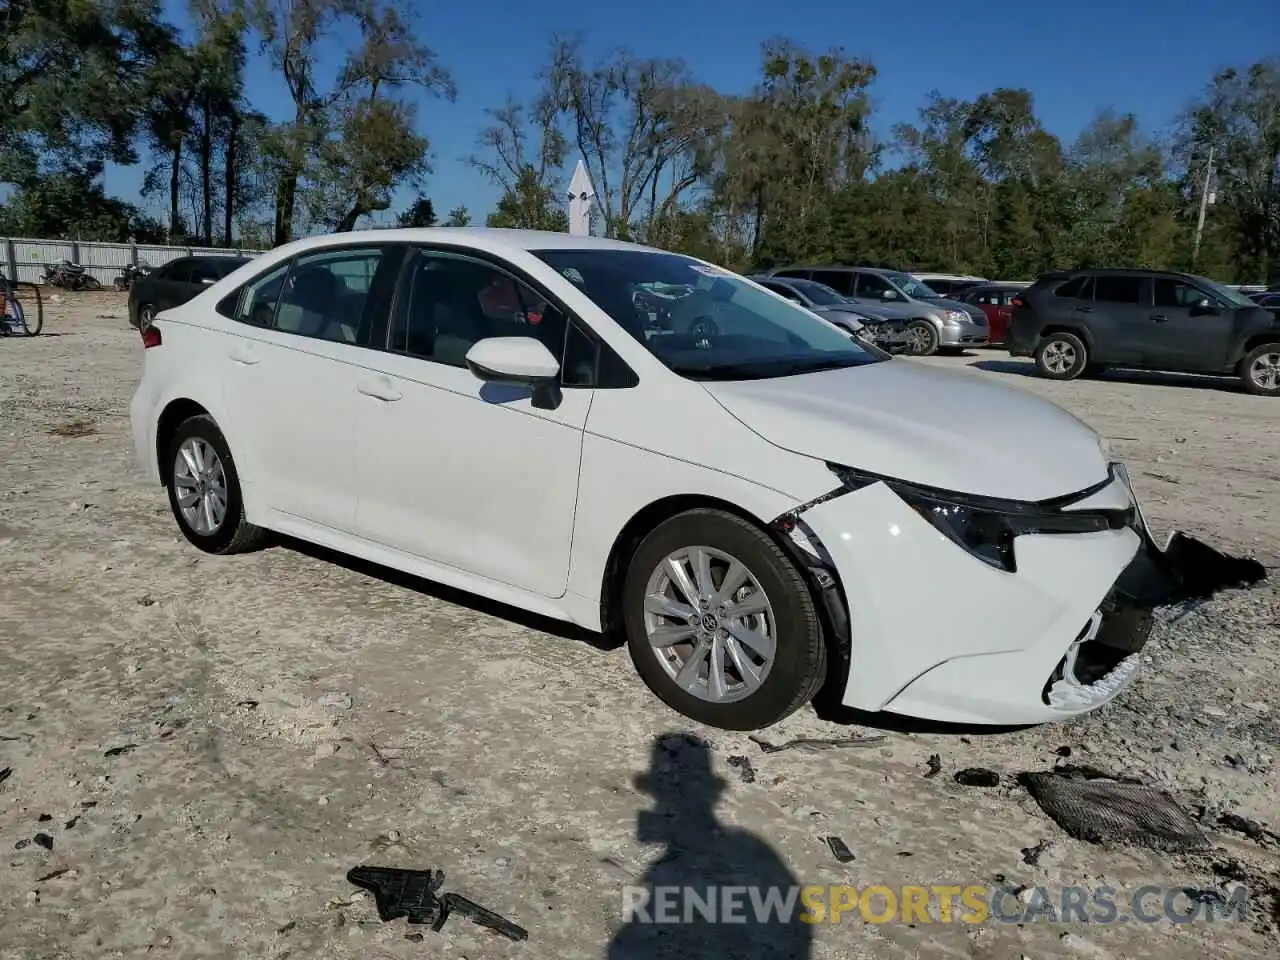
{"points": [[232, 533], [923, 338], [1061, 356], [90, 283], [1260, 370], [799, 664], [146, 315]]}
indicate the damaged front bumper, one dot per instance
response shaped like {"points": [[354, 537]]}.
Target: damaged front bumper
{"points": [[925, 630]]}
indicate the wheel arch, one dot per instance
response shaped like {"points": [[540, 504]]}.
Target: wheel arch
{"points": [[175, 413], [833, 610], [1075, 331], [1253, 342]]}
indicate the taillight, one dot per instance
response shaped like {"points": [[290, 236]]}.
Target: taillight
{"points": [[151, 336], [1017, 302]]}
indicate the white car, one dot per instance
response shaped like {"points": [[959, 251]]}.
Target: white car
{"points": [[762, 504]]}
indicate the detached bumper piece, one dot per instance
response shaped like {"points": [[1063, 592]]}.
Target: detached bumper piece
{"points": [[1105, 655]]}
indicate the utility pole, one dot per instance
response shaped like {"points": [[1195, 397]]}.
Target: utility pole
{"points": [[1204, 202]]}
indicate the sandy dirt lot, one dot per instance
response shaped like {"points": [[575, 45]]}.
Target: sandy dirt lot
{"points": [[206, 745]]}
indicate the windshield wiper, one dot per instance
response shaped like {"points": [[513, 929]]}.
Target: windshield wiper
{"points": [[761, 369]]}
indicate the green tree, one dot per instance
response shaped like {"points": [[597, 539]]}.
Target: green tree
{"points": [[420, 213], [458, 217]]}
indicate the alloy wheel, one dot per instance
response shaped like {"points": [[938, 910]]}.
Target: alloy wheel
{"points": [[1059, 357], [200, 485], [1265, 371], [710, 624]]}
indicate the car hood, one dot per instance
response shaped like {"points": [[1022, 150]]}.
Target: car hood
{"points": [[847, 314], [939, 428]]}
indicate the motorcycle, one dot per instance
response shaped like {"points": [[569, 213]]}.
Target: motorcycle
{"points": [[70, 276], [129, 274]]}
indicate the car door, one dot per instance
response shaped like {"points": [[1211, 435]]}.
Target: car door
{"points": [[291, 376], [455, 470], [871, 289], [841, 281], [1190, 330], [204, 272], [170, 287], [783, 290], [1118, 318]]}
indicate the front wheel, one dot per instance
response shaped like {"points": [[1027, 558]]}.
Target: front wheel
{"points": [[204, 489], [922, 337], [720, 624], [1061, 356], [90, 283], [1260, 370]]}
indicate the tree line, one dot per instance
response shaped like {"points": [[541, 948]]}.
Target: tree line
{"points": [[788, 171]]}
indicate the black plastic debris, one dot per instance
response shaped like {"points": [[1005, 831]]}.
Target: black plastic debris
{"points": [[1063, 751], [22, 844], [1100, 809], [1186, 569], [43, 840], [412, 894], [935, 766], [44, 818], [839, 849], [117, 751], [1031, 855], [745, 770], [1250, 828], [977, 777], [5, 774], [811, 745], [53, 875], [71, 823]]}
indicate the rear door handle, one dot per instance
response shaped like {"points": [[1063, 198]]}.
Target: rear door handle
{"points": [[380, 388], [244, 355], [1159, 317]]}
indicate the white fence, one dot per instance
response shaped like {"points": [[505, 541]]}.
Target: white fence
{"points": [[22, 258]]}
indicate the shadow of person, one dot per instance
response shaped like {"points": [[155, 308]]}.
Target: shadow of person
{"points": [[717, 891]]}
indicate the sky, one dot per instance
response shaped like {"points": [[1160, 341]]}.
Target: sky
{"points": [[1149, 57]]}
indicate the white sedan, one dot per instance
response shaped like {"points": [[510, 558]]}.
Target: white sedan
{"points": [[763, 505]]}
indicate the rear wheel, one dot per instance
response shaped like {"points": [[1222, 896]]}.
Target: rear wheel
{"points": [[720, 625], [146, 314], [204, 489], [1061, 356], [1260, 370], [922, 338]]}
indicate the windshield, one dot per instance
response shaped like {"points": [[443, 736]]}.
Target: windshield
{"points": [[703, 322], [912, 287], [1233, 297], [819, 293]]}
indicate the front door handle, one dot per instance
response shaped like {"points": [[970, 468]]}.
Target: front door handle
{"points": [[1159, 317], [1084, 309], [243, 355], [380, 388]]}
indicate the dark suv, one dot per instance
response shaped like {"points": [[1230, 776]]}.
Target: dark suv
{"points": [[1084, 320], [175, 283]]}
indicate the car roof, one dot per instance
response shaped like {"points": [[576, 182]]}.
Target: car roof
{"points": [[493, 239]]}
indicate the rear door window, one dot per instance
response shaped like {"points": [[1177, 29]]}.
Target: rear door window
{"points": [[178, 271], [1073, 289], [1117, 289], [841, 281]]}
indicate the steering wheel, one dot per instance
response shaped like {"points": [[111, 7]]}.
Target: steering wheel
{"points": [[703, 328]]}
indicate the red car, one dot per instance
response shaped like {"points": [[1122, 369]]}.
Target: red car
{"points": [[995, 299]]}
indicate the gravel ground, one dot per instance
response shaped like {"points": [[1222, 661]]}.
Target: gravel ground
{"points": [[209, 744]]}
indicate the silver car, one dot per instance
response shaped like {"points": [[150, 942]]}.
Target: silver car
{"points": [[933, 322], [885, 329]]}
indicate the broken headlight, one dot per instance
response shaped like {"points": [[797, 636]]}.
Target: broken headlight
{"points": [[986, 527]]}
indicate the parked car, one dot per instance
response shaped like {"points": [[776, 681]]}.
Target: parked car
{"points": [[933, 322], [723, 493], [995, 300], [1073, 322], [885, 332], [948, 284], [174, 283]]}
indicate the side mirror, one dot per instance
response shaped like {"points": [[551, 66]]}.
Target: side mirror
{"points": [[208, 281], [889, 295], [521, 362], [1203, 308]]}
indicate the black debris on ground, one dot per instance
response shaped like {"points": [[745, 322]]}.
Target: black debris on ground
{"points": [[412, 894], [977, 777], [839, 849], [118, 751], [1250, 828], [1099, 809], [813, 745], [1031, 855], [54, 875], [935, 766], [43, 840], [5, 773], [44, 818], [1063, 751], [745, 770]]}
